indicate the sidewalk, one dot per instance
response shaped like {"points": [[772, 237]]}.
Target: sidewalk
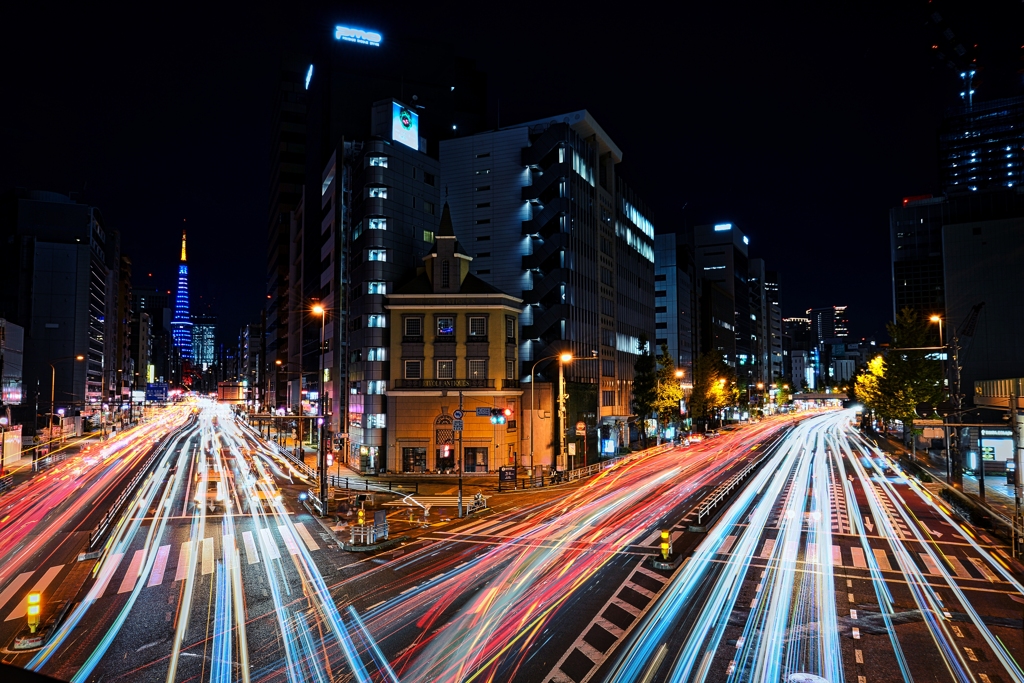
{"points": [[20, 470]]}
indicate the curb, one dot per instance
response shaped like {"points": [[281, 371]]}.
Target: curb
{"points": [[391, 542]]}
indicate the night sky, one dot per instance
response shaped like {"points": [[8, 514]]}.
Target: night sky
{"points": [[800, 126]]}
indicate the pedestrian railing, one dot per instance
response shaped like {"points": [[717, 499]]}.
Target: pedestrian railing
{"points": [[727, 487], [359, 484]]}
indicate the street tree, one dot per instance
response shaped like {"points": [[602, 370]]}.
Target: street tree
{"points": [[669, 390], [712, 386], [645, 382]]}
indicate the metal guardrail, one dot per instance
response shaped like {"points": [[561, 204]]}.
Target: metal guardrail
{"points": [[727, 487], [356, 484], [101, 529]]}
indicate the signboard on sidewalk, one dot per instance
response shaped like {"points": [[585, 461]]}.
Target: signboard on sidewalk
{"points": [[507, 474]]}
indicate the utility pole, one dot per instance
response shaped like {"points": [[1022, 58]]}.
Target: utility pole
{"points": [[1015, 431], [458, 465]]}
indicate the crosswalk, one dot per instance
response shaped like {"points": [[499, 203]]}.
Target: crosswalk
{"points": [[264, 545], [854, 557]]}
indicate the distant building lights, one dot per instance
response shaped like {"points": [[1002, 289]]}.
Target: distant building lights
{"points": [[722, 227], [357, 35], [309, 76]]}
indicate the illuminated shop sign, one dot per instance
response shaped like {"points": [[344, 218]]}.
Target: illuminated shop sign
{"points": [[405, 126], [357, 35]]}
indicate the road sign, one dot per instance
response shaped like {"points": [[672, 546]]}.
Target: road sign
{"points": [[581, 428], [457, 414], [156, 391], [483, 412], [572, 448], [457, 425]]}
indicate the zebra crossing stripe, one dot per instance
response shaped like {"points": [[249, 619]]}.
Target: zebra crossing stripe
{"points": [[207, 555], [837, 556], [958, 568], [13, 587], [289, 540], [228, 550], [159, 565], [980, 565], [132, 575], [182, 571], [882, 559], [41, 584], [251, 556], [269, 547], [306, 538], [106, 573]]}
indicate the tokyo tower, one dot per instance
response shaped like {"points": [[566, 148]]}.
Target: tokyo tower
{"points": [[181, 325]]}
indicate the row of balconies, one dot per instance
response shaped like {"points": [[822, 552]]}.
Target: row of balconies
{"points": [[455, 383]]}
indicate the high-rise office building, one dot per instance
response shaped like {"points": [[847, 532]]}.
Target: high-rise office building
{"points": [[675, 301], [828, 323], [181, 323], [775, 329], [540, 208], [720, 251], [60, 283], [204, 340], [981, 146], [760, 322]]}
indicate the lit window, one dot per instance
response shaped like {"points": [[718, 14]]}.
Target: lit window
{"points": [[376, 421], [379, 192], [510, 328], [446, 327], [378, 255], [478, 369], [376, 288], [378, 223], [414, 327], [510, 369], [428, 236], [446, 369], [379, 161], [477, 327], [413, 369], [375, 320], [377, 353], [376, 386]]}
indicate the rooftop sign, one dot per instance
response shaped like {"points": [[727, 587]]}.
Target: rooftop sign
{"points": [[357, 35]]}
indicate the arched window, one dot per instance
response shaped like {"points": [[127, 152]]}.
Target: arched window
{"points": [[443, 433], [445, 275]]}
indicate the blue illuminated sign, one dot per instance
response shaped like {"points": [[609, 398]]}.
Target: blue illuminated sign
{"points": [[746, 240], [309, 76], [357, 35], [723, 226]]}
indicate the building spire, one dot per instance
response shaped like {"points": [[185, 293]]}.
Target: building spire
{"points": [[183, 245]]}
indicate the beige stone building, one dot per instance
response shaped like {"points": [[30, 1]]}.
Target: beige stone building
{"points": [[453, 347]]}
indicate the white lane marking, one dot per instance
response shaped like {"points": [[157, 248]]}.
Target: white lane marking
{"points": [[251, 555], [882, 559], [929, 564], [727, 545], [306, 538], [182, 570], [269, 546], [159, 565], [858, 558], [13, 587], [44, 581], [207, 555], [132, 575], [978, 563], [289, 540], [106, 573]]}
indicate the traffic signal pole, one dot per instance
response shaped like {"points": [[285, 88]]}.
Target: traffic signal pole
{"points": [[458, 465]]}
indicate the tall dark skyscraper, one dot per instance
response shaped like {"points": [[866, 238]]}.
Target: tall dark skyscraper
{"points": [[981, 146], [181, 324]]}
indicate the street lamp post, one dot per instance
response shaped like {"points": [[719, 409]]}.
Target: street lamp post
{"points": [[945, 432], [53, 384], [533, 399], [321, 454]]}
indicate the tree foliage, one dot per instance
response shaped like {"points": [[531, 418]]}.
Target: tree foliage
{"points": [[645, 382], [712, 386], [893, 386], [669, 389]]}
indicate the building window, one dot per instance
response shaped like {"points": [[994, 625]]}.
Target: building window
{"points": [[414, 460], [428, 207], [446, 327], [445, 275], [379, 161], [477, 326], [510, 369], [414, 369], [483, 238], [378, 255], [379, 192], [483, 205], [607, 306], [414, 327], [376, 421], [485, 271], [483, 188], [378, 223], [607, 398], [478, 369], [608, 368], [483, 171], [660, 309], [483, 221], [376, 288], [476, 459], [428, 236], [376, 386], [377, 353], [428, 178], [445, 369], [375, 320], [483, 254], [482, 155], [510, 329]]}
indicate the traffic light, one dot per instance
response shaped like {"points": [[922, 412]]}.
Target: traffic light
{"points": [[507, 413], [498, 415], [35, 600], [330, 459], [360, 516], [666, 543]]}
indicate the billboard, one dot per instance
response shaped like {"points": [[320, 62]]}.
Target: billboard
{"points": [[405, 126]]}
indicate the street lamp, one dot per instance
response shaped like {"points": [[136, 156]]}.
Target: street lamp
{"points": [[321, 462]]}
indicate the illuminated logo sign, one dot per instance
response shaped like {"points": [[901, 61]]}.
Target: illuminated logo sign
{"points": [[405, 126], [357, 35], [309, 76], [721, 227]]}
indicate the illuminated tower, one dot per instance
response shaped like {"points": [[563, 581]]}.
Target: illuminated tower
{"points": [[181, 325]]}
